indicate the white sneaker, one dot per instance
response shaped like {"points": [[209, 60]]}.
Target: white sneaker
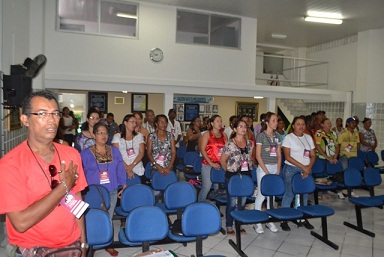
{"points": [[340, 195], [272, 227], [259, 228], [354, 195]]}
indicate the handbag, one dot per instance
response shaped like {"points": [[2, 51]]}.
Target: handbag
{"points": [[338, 178]]}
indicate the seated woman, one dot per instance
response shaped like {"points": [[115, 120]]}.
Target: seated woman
{"points": [[103, 165], [193, 134], [131, 146], [86, 138], [161, 148]]}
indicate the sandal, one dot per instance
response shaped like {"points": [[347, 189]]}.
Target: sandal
{"points": [[112, 251], [230, 232], [243, 232]]}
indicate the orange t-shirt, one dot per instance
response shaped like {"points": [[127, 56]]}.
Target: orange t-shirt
{"points": [[23, 182]]}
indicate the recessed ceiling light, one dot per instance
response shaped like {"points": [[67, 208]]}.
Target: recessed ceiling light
{"points": [[279, 36], [125, 92], [258, 97], [323, 20]]}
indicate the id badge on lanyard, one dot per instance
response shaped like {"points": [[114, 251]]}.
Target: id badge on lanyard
{"points": [[160, 159], [104, 177], [244, 165], [273, 150], [306, 154], [220, 150], [348, 148], [131, 153]]}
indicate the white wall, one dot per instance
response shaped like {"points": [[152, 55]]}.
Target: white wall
{"points": [[94, 59]]}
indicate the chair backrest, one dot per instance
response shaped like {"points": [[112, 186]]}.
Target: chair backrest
{"points": [[147, 223], [240, 186], [181, 151], [136, 196], [197, 165], [189, 157], [352, 177], [303, 185], [372, 177], [200, 219], [318, 168], [179, 195], [217, 176], [254, 174], [362, 155], [148, 170], [372, 158], [98, 226], [133, 181], [333, 168], [160, 182], [272, 185], [96, 195], [356, 163]]}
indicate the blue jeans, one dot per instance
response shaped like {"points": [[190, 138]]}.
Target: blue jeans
{"points": [[288, 172], [206, 182], [231, 205], [113, 196]]}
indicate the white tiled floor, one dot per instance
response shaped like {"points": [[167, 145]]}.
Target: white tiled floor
{"points": [[297, 242]]}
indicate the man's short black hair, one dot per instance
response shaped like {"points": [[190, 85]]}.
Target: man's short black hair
{"points": [[26, 105]]}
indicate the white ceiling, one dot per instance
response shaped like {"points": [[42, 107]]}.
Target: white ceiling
{"points": [[287, 17]]}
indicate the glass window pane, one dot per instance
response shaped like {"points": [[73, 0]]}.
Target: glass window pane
{"points": [[79, 16], [118, 19], [192, 28], [225, 31]]}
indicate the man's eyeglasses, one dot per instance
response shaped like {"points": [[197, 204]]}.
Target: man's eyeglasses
{"points": [[53, 172], [101, 133], [94, 118], [45, 115]]}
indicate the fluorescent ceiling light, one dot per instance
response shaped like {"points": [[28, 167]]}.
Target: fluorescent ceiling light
{"points": [[279, 36], [329, 15], [323, 20], [125, 15], [258, 97]]}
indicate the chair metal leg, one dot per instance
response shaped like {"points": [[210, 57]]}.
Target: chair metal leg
{"points": [[359, 221], [324, 236], [199, 246], [237, 245]]}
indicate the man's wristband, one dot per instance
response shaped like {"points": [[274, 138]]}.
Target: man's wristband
{"points": [[84, 245], [66, 187]]}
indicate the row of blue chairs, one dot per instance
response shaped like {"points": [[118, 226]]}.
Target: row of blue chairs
{"points": [[177, 197], [273, 185]]}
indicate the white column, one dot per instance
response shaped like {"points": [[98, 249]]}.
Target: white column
{"points": [[271, 104], [168, 102]]}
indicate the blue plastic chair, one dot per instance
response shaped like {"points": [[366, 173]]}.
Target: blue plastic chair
{"points": [[273, 185], [180, 153], [200, 220], [362, 155], [353, 179], [318, 171], [134, 181], [144, 225], [160, 182], [97, 196], [148, 170], [99, 229], [356, 163], [135, 196], [189, 158], [373, 161], [176, 197], [242, 186], [307, 186], [334, 168], [218, 177]]}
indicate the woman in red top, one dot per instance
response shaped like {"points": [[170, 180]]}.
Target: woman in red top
{"points": [[211, 146]]}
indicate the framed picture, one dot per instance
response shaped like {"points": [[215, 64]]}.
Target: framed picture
{"points": [[215, 109], [249, 109], [180, 117], [139, 102], [99, 100], [119, 100], [13, 119], [207, 109], [180, 108], [191, 111], [202, 108]]}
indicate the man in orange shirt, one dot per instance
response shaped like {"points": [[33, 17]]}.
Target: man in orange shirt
{"points": [[37, 178]]}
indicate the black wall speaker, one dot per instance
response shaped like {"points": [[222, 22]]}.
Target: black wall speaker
{"points": [[15, 89]]}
